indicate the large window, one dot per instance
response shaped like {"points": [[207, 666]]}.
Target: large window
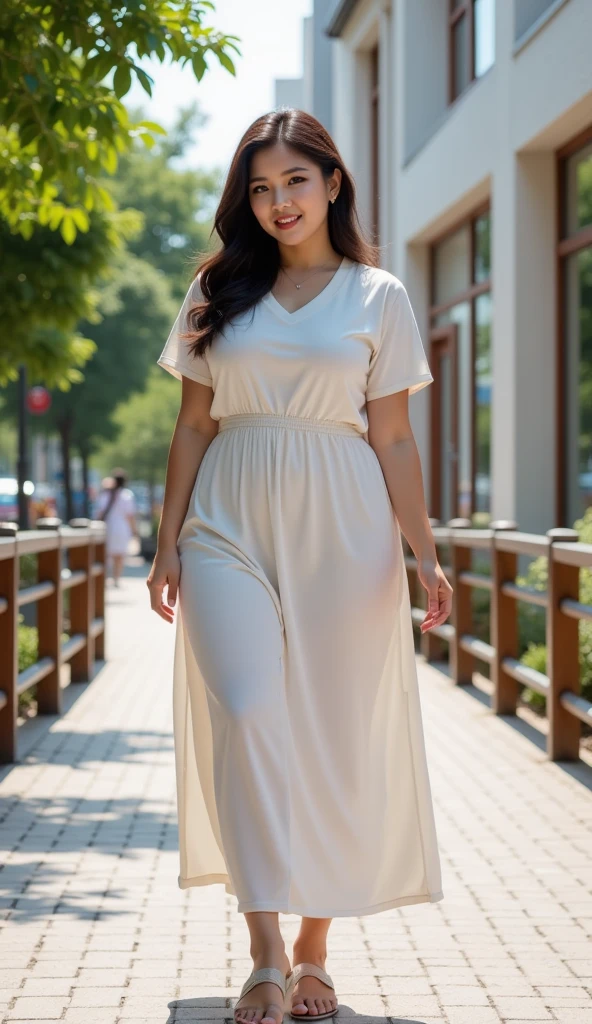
{"points": [[461, 355], [575, 348], [472, 42]]}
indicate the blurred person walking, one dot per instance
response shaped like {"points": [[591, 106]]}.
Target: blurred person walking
{"points": [[302, 779], [116, 505]]}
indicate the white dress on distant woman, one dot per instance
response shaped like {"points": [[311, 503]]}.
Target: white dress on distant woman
{"points": [[119, 530]]}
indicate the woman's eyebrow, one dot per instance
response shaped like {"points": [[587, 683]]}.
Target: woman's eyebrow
{"points": [[289, 171]]}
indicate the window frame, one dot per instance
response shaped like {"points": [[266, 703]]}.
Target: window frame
{"points": [[566, 245], [458, 9], [470, 295]]}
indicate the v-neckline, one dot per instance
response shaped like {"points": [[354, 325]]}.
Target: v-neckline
{"points": [[314, 303]]}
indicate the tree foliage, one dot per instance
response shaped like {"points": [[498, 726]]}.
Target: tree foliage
{"points": [[63, 125]]}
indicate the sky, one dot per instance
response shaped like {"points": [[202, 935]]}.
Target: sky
{"points": [[270, 41]]}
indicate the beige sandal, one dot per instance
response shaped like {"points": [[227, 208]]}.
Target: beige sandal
{"points": [[264, 974], [300, 971]]}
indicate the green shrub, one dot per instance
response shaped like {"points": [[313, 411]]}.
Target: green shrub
{"points": [[532, 620]]}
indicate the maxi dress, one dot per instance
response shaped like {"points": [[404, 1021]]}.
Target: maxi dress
{"points": [[302, 780]]}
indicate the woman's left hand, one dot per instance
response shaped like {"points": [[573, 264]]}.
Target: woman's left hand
{"points": [[439, 592]]}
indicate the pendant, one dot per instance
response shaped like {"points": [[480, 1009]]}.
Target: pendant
{"points": [[298, 286]]}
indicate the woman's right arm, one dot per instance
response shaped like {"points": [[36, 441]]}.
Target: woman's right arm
{"points": [[194, 430]]}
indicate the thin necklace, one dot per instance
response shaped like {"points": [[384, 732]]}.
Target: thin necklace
{"points": [[316, 271]]}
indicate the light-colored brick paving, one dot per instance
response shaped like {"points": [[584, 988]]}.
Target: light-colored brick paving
{"points": [[94, 929]]}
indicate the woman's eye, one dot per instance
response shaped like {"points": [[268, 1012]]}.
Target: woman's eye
{"points": [[296, 177]]}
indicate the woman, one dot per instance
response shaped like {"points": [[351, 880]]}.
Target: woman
{"points": [[116, 505], [301, 774]]}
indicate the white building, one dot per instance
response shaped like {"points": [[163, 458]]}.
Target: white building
{"points": [[468, 127]]}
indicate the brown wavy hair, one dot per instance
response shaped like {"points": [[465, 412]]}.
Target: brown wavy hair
{"points": [[244, 269]]}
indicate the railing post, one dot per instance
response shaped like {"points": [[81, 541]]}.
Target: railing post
{"points": [[49, 621], [82, 608], [99, 555], [563, 653], [430, 646], [461, 662], [9, 582], [503, 623]]}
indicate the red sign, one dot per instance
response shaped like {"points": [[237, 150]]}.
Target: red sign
{"points": [[38, 400]]}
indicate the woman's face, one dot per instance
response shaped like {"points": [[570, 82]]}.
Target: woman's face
{"points": [[285, 185]]}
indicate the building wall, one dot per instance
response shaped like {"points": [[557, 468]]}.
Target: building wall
{"points": [[497, 141]]}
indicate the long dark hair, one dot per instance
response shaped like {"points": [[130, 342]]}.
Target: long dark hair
{"points": [[239, 274]]}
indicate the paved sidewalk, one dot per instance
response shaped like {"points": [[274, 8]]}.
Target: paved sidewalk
{"points": [[94, 929]]}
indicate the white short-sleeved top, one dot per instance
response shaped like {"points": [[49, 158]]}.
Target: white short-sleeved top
{"points": [[124, 505], [355, 341]]}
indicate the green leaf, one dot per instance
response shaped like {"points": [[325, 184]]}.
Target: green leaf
{"points": [[145, 80], [226, 62], [199, 65], [148, 140], [109, 159], [80, 218], [153, 127], [122, 80], [68, 229], [29, 132], [92, 149]]}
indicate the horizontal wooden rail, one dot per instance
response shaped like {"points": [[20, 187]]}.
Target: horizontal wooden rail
{"points": [[82, 545], [566, 708]]}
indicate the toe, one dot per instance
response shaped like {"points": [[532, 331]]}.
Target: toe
{"points": [[299, 1007], [312, 1007]]}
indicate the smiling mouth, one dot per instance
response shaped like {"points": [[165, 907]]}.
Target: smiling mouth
{"points": [[285, 221]]}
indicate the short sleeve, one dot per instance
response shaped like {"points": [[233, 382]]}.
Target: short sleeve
{"points": [[175, 355], [399, 361], [131, 507]]}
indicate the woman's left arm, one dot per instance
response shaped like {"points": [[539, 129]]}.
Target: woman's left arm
{"points": [[391, 436]]}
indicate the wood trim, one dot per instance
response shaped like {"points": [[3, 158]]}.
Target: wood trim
{"points": [[468, 296], [438, 333], [473, 348], [465, 9], [443, 338], [473, 214], [574, 243], [565, 246], [578, 142]]}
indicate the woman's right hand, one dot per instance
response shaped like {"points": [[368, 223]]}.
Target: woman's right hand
{"points": [[166, 569]]}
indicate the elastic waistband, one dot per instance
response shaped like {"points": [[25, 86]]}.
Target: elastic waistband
{"points": [[290, 422]]}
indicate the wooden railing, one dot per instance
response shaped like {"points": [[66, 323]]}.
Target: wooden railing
{"points": [[566, 708], [83, 542]]}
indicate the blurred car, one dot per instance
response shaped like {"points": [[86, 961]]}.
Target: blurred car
{"points": [[9, 508]]}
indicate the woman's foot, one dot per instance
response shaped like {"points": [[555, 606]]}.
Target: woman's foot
{"points": [[310, 996], [263, 1004]]}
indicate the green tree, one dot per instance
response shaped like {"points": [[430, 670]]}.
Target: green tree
{"points": [[144, 427], [176, 205], [63, 126]]}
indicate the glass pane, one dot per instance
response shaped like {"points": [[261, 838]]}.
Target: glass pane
{"points": [[482, 248], [452, 266], [446, 464], [461, 316], [483, 381], [578, 404], [460, 54], [484, 42], [578, 200], [526, 12]]}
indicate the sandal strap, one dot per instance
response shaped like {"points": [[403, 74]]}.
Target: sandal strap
{"points": [[264, 974], [301, 970]]}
